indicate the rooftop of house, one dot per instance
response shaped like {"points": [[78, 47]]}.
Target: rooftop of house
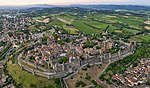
{"points": [[135, 75]]}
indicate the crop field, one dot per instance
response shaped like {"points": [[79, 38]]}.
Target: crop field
{"points": [[86, 29], [70, 29], [38, 18], [91, 23], [131, 31], [136, 22], [66, 18], [147, 27], [97, 24], [143, 38], [32, 27], [57, 22], [147, 24]]}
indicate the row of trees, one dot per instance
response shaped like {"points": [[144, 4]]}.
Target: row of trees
{"points": [[3, 53]]}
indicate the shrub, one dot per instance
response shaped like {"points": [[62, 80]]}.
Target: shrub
{"points": [[80, 83]]}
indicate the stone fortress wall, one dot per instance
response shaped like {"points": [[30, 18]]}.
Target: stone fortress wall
{"points": [[105, 58]]}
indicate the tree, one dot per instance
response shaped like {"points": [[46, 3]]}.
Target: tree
{"points": [[67, 40], [63, 59], [10, 34], [44, 39], [148, 82], [55, 36], [32, 58], [33, 85], [80, 83], [88, 77]]}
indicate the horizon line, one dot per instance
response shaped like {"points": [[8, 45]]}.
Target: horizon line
{"points": [[77, 4]]}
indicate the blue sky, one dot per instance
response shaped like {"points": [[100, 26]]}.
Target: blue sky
{"points": [[66, 2]]}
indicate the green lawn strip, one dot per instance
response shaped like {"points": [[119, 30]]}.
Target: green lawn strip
{"points": [[28, 79]]}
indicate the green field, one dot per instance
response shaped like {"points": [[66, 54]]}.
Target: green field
{"points": [[28, 79], [97, 24], [130, 30], [86, 29], [129, 21], [57, 22], [66, 18], [70, 29], [91, 23], [143, 38], [32, 27]]}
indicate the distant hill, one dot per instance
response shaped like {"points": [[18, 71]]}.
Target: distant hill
{"points": [[41, 6], [110, 7], [114, 7], [28, 6]]}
